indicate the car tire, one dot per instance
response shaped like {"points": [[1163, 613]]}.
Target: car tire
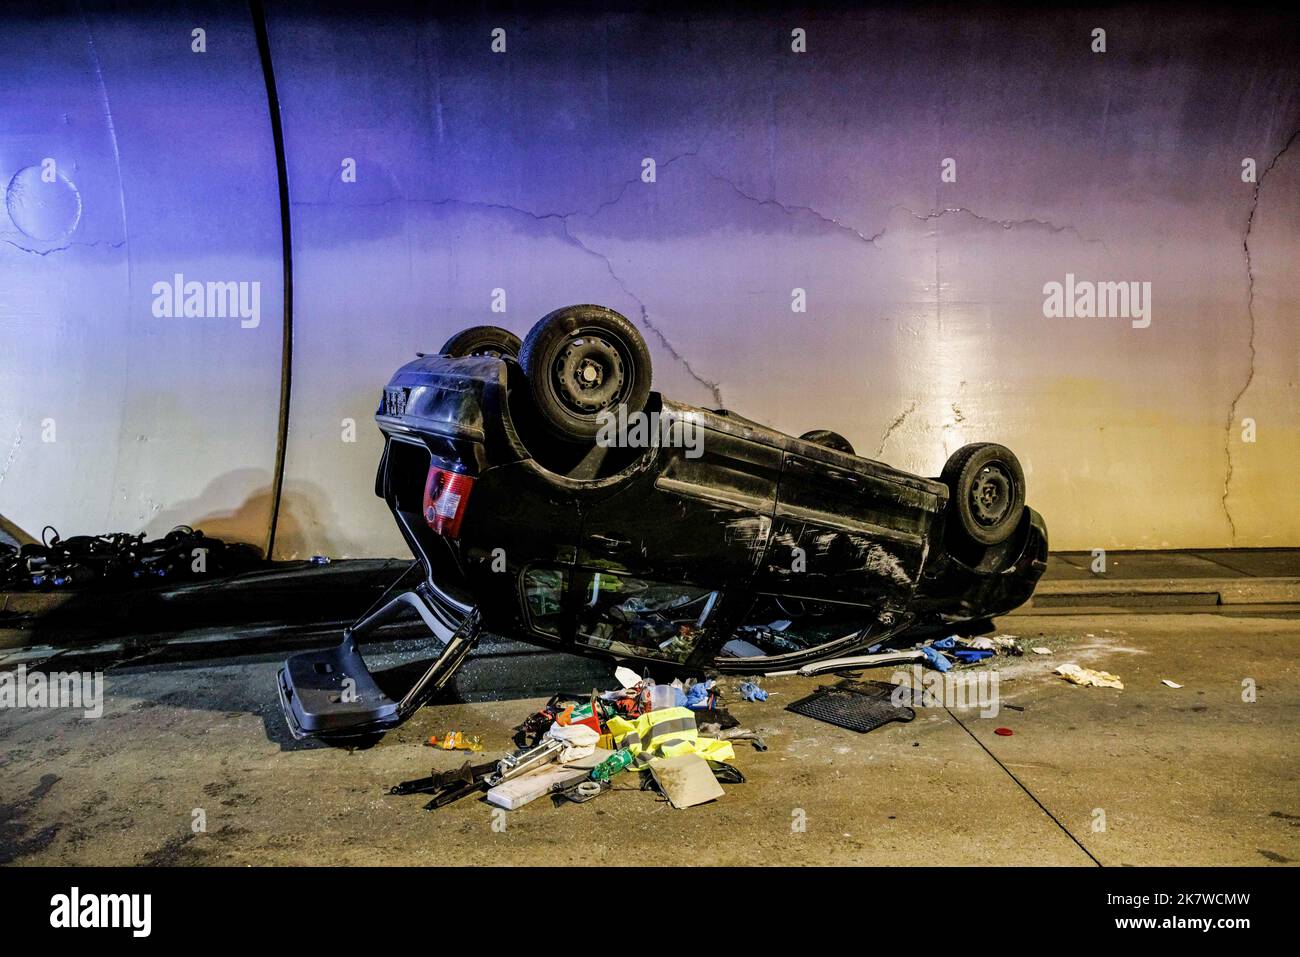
{"points": [[483, 341], [832, 440], [987, 491], [582, 361]]}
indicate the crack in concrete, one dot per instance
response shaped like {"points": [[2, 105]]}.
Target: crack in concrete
{"points": [[795, 209], [1250, 314], [562, 219], [13, 452], [713, 387], [1004, 223], [889, 430], [59, 249], [689, 154]]}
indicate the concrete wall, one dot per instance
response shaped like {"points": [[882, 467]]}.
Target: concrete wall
{"points": [[775, 170], [110, 417]]}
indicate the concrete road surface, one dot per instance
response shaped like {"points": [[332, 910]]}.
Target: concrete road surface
{"points": [[190, 763]]}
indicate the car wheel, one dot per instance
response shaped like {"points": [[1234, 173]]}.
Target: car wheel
{"points": [[483, 341], [582, 361], [987, 491], [832, 440]]}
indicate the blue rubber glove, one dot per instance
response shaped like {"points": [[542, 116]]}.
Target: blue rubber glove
{"points": [[698, 696], [936, 659]]}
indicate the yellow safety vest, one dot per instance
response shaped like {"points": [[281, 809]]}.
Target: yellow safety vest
{"points": [[666, 733]]}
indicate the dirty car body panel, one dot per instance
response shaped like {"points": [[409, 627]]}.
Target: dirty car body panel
{"points": [[658, 555]]}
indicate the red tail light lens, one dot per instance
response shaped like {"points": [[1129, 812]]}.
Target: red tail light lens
{"points": [[446, 494]]}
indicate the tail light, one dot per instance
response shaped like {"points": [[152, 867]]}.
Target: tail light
{"points": [[446, 494]]}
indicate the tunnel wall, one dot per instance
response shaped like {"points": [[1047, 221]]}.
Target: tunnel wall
{"points": [[485, 177], [113, 417]]}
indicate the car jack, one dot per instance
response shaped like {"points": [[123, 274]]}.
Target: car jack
{"points": [[331, 694]]}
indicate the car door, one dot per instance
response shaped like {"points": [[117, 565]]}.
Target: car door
{"points": [[847, 530], [660, 553], [700, 518]]}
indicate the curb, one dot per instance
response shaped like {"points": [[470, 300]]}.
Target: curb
{"points": [[1147, 592]]}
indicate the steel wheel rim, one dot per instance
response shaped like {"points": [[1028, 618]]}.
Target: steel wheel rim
{"points": [[992, 494], [592, 372]]}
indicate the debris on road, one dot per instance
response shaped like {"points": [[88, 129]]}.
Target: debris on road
{"points": [[852, 663], [1169, 684], [701, 696], [455, 741], [1089, 677], [738, 734], [1001, 644], [857, 706], [1041, 651], [522, 790], [678, 737], [575, 745], [119, 559], [620, 760], [686, 780], [448, 786], [935, 658]]}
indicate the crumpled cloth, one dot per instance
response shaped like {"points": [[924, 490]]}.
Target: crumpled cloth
{"points": [[1087, 676], [752, 692], [579, 741]]}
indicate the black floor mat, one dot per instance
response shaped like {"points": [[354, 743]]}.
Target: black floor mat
{"points": [[860, 706]]}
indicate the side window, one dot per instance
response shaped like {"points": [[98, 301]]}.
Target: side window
{"points": [[782, 626], [544, 598], [641, 618]]}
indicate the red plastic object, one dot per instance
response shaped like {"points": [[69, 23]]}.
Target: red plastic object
{"points": [[1005, 732], [446, 495]]}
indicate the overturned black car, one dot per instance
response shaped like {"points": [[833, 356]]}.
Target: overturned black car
{"points": [[551, 496]]}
